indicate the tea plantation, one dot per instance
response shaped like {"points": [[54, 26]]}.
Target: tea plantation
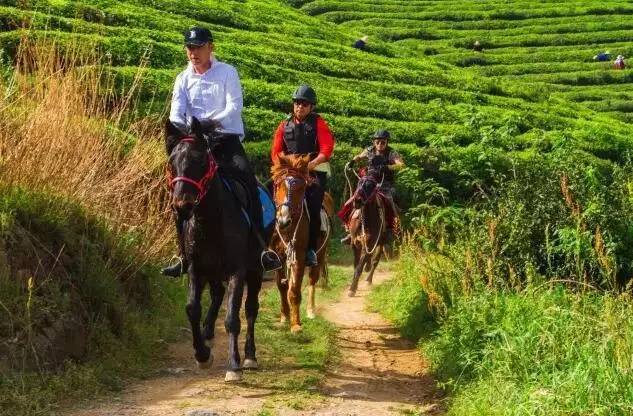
{"points": [[519, 178], [418, 79]]}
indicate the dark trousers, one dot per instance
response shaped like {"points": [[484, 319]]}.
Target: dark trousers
{"points": [[231, 157], [314, 198]]}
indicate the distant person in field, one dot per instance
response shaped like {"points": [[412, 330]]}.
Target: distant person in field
{"points": [[361, 43], [381, 155], [305, 132], [602, 57], [210, 91], [619, 62], [477, 47]]}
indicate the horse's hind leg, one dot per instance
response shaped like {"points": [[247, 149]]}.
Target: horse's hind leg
{"points": [[282, 285], [194, 312], [233, 325], [251, 306], [216, 291], [315, 273], [359, 262], [374, 264]]}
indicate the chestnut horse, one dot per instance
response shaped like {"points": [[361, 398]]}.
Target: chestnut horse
{"points": [[290, 240], [367, 226]]}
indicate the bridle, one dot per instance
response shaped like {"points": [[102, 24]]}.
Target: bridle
{"points": [[200, 185], [292, 178], [368, 177]]}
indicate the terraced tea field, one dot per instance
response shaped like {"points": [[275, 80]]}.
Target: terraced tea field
{"points": [[533, 89], [538, 42]]}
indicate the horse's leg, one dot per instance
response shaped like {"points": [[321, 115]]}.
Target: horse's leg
{"points": [[194, 312], [294, 295], [216, 290], [359, 262], [282, 285], [315, 272], [233, 325], [374, 263], [254, 284]]}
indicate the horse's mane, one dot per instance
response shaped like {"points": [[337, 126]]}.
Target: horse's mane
{"points": [[284, 163]]}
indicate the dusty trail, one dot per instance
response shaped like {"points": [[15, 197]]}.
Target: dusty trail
{"points": [[378, 374]]}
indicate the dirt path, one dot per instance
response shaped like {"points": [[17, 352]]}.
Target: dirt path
{"points": [[378, 374]]}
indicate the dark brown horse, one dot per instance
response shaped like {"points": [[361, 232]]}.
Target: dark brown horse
{"points": [[218, 247], [367, 226], [290, 241]]}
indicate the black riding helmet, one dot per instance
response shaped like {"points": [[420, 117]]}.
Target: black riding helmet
{"points": [[381, 134], [305, 92]]}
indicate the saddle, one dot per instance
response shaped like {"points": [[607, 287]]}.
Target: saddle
{"points": [[347, 212], [233, 181]]}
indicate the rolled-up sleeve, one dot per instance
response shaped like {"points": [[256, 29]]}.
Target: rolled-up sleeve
{"points": [[178, 111], [234, 99]]}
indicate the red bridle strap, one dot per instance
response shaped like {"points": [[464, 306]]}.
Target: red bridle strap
{"points": [[200, 185]]}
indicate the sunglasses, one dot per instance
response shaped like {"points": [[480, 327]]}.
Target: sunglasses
{"points": [[380, 142], [302, 103]]}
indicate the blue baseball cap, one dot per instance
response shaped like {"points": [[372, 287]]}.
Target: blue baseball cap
{"points": [[198, 36]]}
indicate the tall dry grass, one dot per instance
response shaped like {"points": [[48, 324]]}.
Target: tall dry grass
{"points": [[61, 131]]}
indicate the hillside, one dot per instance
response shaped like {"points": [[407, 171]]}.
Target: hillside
{"points": [[422, 99], [517, 190], [546, 43]]}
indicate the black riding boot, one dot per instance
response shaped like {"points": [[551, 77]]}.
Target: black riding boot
{"points": [[176, 270]]}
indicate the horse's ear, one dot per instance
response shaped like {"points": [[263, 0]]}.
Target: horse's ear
{"points": [[282, 159], [196, 130], [173, 134], [194, 126]]}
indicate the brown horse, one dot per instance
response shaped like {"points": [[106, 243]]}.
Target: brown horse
{"points": [[367, 227], [290, 240]]}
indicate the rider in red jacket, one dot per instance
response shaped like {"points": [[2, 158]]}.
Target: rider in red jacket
{"points": [[305, 132]]}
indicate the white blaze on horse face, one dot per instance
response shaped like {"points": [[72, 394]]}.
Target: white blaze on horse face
{"points": [[283, 215]]}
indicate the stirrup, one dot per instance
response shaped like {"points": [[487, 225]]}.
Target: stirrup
{"points": [[270, 261], [174, 270]]}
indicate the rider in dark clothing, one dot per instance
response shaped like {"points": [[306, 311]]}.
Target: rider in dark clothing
{"points": [[305, 132], [387, 160]]}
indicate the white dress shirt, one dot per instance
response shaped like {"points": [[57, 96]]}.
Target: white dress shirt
{"points": [[216, 94]]}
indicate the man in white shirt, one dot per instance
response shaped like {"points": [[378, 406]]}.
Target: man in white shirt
{"points": [[210, 91]]}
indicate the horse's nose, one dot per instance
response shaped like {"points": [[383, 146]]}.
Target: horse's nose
{"points": [[184, 206], [283, 218]]}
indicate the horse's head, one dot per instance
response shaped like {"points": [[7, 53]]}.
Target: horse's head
{"points": [[366, 189], [291, 176], [191, 166]]}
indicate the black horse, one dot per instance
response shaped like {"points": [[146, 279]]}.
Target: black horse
{"points": [[217, 244], [367, 226]]}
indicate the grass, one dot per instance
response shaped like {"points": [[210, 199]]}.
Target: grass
{"points": [[543, 350], [125, 323]]}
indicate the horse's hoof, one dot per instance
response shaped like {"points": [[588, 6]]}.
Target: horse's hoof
{"points": [[250, 364], [295, 329], [233, 376], [203, 365], [283, 319], [311, 315], [351, 293]]}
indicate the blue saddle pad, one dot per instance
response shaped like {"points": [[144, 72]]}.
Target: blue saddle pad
{"points": [[268, 205]]}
